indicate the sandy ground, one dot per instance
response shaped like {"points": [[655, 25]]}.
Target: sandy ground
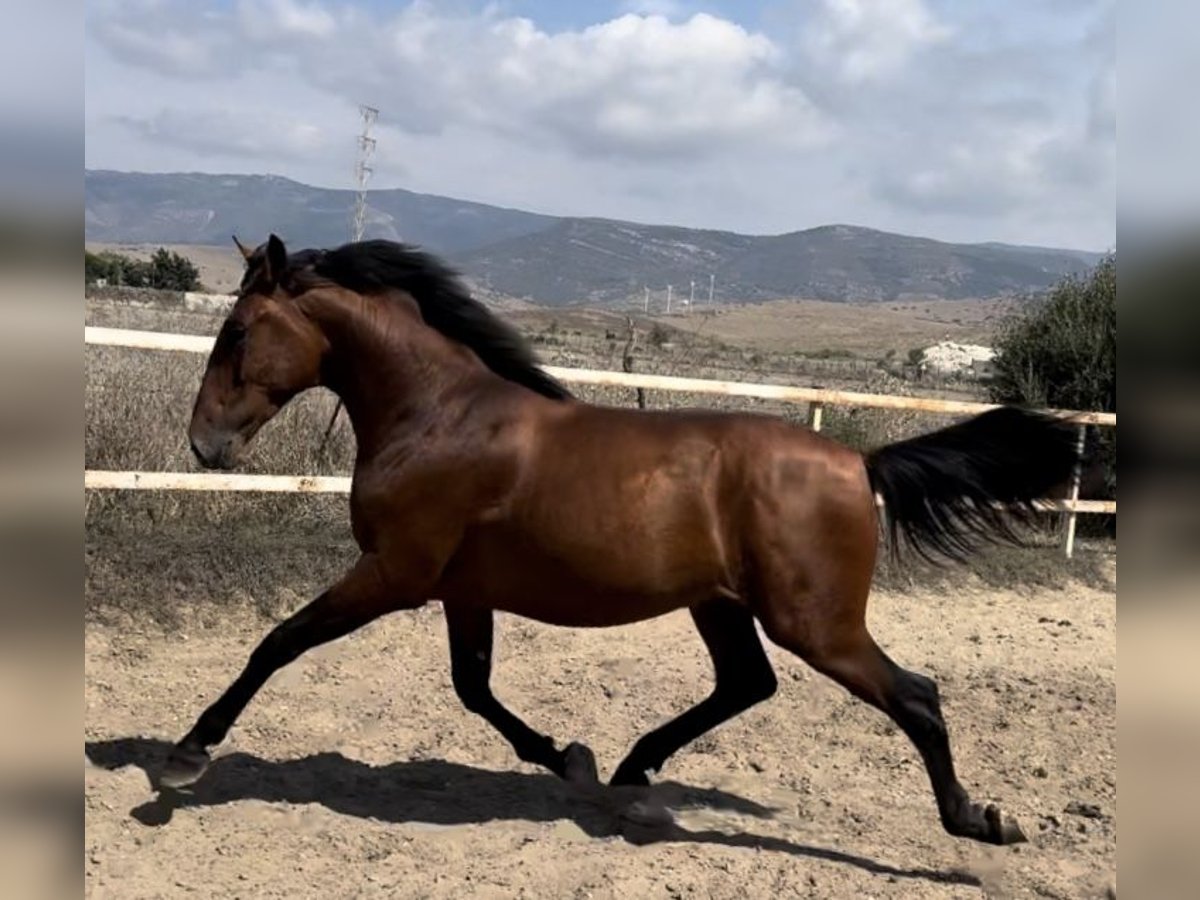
{"points": [[357, 773]]}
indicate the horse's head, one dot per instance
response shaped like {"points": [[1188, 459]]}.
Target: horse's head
{"points": [[266, 352]]}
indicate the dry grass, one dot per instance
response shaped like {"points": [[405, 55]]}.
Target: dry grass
{"points": [[1039, 565], [810, 327], [267, 555]]}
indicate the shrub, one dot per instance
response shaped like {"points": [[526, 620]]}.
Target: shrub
{"points": [[115, 269], [166, 270], [833, 353], [170, 271], [658, 335], [1061, 351]]}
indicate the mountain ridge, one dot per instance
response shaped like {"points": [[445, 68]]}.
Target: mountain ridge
{"points": [[561, 260]]}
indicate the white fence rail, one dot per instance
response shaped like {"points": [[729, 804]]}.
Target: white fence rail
{"points": [[816, 399], [105, 480]]}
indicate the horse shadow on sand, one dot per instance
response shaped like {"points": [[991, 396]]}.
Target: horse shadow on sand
{"points": [[438, 793]]}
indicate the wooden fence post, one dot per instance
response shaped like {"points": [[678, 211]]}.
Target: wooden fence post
{"points": [[627, 360], [1076, 477], [815, 410]]}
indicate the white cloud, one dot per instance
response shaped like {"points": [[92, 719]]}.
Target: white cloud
{"points": [[639, 85], [171, 51], [272, 19], [864, 40], [246, 133], [967, 122], [632, 86], [974, 174]]}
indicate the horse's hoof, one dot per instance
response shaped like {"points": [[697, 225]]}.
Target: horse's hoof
{"points": [[1003, 829], [579, 764], [184, 767], [643, 822]]}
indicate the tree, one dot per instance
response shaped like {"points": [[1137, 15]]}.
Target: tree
{"points": [[1062, 352], [130, 272], [95, 267], [172, 272], [116, 269], [165, 270]]}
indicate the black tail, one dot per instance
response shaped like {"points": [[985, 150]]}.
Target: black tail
{"points": [[945, 493]]}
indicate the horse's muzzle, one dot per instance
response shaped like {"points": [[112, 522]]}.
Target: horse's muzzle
{"points": [[214, 452]]}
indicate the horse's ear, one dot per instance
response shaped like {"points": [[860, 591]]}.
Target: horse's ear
{"points": [[243, 249], [276, 261]]}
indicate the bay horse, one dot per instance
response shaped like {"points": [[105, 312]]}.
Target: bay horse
{"points": [[480, 482]]}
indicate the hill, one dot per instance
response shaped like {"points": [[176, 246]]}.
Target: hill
{"points": [[600, 262], [138, 208], [559, 261]]}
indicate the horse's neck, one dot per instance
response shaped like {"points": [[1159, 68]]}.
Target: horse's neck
{"points": [[388, 367]]}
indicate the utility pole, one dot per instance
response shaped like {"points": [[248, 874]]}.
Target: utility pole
{"points": [[362, 168], [668, 299], [646, 302], [692, 296], [711, 280]]}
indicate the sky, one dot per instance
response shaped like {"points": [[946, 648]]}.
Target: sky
{"points": [[954, 119]]}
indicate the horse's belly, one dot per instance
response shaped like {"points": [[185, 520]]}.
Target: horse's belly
{"points": [[580, 583], [589, 609]]}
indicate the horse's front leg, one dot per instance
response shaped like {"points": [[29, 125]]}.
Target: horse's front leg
{"points": [[471, 629], [362, 596]]}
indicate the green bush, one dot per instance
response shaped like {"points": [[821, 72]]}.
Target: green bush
{"points": [[116, 269], [166, 270], [1061, 351], [172, 272]]}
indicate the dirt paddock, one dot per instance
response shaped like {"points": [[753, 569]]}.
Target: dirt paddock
{"points": [[356, 772]]}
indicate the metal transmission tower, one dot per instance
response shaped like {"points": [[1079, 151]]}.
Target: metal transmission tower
{"points": [[362, 168], [362, 174]]}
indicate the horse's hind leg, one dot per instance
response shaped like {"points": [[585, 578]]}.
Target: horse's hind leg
{"points": [[470, 630], [743, 678], [840, 646], [360, 597]]}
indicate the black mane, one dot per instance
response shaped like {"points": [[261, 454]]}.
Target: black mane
{"points": [[445, 304]]}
